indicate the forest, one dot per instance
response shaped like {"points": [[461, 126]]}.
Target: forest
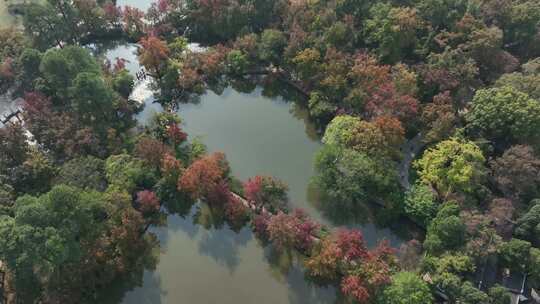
{"points": [[428, 112]]}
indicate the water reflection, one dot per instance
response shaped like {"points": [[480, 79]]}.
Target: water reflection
{"points": [[211, 265]]}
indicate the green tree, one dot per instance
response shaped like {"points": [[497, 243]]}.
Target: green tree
{"points": [[272, 45], [84, 173], [504, 115], [46, 234], [499, 295], [421, 204], [528, 225], [126, 173], [92, 100], [452, 165], [237, 62], [340, 131], [515, 254], [393, 30], [472, 295], [29, 62], [407, 288], [59, 68], [446, 231], [123, 83], [351, 176]]}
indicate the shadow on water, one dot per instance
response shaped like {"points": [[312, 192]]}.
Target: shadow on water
{"points": [[287, 267]]}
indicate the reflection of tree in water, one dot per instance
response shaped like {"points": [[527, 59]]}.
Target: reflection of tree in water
{"points": [[134, 277], [220, 241], [345, 214], [223, 245], [357, 215], [287, 267]]}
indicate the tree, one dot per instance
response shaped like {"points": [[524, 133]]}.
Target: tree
{"points": [[154, 55], [452, 165], [472, 295], [292, 231], [266, 191], [148, 204], [123, 83], [517, 173], [14, 148], [515, 254], [393, 30], [333, 252], [84, 173], [126, 173], [272, 45], [421, 204], [353, 177], [68, 240], [499, 295], [29, 62], [307, 63], [152, 151], [60, 67], [92, 100], [446, 231], [237, 62], [528, 225], [46, 233], [204, 176], [380, 138], [504, 115], [407, 288], [441, 13], [439, 118]]}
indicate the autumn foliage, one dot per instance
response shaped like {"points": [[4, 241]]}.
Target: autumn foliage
{"points": [[205, 177]]}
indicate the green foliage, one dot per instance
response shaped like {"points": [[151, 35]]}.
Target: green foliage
{"points": [[528, 225], [452, 165], [46, 233], [441, 13], [471, 294], [446, 231], [407, 288], [123, 83], [526, 83], [515, 254], [504, 115], [499, 295], [237, 62], [320, 107], [84, 173], [272, 45], [340, 131], [350, 176], [421, 204], [29, 62], [92, 99], [393, 30], [60, 67], [126, 173]]}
